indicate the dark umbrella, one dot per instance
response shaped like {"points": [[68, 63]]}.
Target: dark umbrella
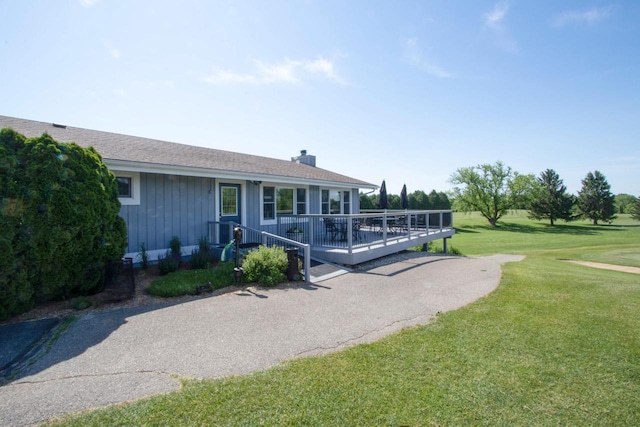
{"points": [[404, 200], [382, 201]]}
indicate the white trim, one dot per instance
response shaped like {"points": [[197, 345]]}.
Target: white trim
{"points": [[122, 165], [134, 200], [153, 254]]}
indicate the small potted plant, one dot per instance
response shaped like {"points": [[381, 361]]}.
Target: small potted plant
{"points": [[295, 233]]}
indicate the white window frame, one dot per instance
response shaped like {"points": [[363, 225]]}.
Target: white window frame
{"points": [[134, 198], [341, 191], [276, 187]]}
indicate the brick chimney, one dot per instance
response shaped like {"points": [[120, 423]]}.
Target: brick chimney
{"points": [[305, 159]]}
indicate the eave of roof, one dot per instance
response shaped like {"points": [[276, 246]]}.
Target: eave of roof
{"points": [[124, 152]]}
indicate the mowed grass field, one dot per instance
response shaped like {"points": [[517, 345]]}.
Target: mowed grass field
{"points": [[556, 344]]}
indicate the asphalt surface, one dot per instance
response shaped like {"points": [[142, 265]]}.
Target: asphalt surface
{"points": [[125, 354]]}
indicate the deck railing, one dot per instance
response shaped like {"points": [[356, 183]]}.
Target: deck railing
{"points": [[357, 230]]}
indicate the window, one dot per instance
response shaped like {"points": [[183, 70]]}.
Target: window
{"points": [[346, 202], [229, 201], [301, 201], [335, 202], [269, 203], [124, 186], [283, 201], [128, 187]]}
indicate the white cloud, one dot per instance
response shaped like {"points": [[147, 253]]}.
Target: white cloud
{"points": [[495, 21], [224, 76], [114, 52], [495, 18], [416, 58], [589, 17], [288, 71], [279, 73]]}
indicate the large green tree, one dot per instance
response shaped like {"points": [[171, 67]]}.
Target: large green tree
{"points": [[491, 190], [550, 199], [595, 200], [634, 209], [624, 202], [59, 220]]}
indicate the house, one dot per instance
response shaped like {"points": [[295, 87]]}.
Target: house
{"points": [[169, 189]]}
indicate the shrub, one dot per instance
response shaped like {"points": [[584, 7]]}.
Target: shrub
{"points": [[175, 249], [167, 263], [59, 216], [144, 256], [80, 303], [438, 249], [266, 266], [201, 257]]}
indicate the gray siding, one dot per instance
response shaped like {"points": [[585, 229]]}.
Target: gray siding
{"points": [[355, 201], [170, 205], [252, 207], [314, 199]]}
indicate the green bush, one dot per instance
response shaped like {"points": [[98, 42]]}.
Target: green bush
{"points": [[201, 257], [266, 266], [175, 248], [167, 263], [144, 256], [80, 303], [438, 249], [59, 221]]}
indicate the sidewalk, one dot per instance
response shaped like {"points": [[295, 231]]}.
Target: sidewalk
{"points": [[126, 354]]}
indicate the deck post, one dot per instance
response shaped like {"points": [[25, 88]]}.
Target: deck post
{"points": [[307, 263], [350, 235], [384, 228], [444, 245]]}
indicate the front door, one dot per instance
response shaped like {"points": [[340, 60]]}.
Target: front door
{"points": [[230, 210]]}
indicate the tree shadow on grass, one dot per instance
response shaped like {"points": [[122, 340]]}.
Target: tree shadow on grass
{"points": [[559, 229]]}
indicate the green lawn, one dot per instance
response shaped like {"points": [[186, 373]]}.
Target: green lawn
{"points": [[555, 344]]}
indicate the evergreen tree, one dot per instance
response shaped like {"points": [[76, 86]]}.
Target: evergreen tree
{"points": [[59, 221], [595, 200], [551, 201], [634, 209]]}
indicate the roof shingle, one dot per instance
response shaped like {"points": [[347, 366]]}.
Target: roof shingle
{"points": [[117, 147]]}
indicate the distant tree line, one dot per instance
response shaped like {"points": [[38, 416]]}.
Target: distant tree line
{"points": [[495, 189], [418, 200]]}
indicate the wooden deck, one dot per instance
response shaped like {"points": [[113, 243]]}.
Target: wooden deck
{"points": [[349, 239], [372, 245]]}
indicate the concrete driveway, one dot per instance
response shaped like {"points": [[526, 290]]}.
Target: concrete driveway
{"points": [[126, 354]]}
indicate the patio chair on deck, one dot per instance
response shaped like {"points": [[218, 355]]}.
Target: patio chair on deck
{"points": [[331, 229]]}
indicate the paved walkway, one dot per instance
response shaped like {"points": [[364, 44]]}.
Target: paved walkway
{"points": [[126, 354]]}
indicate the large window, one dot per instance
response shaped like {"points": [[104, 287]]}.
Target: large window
{"points": [[335, 202], [283, 201]]}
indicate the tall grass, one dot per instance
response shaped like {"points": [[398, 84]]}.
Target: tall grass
{"points": [[555, 344]]}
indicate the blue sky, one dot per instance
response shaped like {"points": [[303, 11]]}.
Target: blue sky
{"points": [[407, 91]]}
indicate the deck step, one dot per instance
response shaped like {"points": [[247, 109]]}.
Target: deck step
{"points": [[322, 270]]}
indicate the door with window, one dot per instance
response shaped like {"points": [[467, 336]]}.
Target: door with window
{"points": [[230, 209]]}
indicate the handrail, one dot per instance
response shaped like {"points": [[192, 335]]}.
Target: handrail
{"points": [[264, 241]]}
